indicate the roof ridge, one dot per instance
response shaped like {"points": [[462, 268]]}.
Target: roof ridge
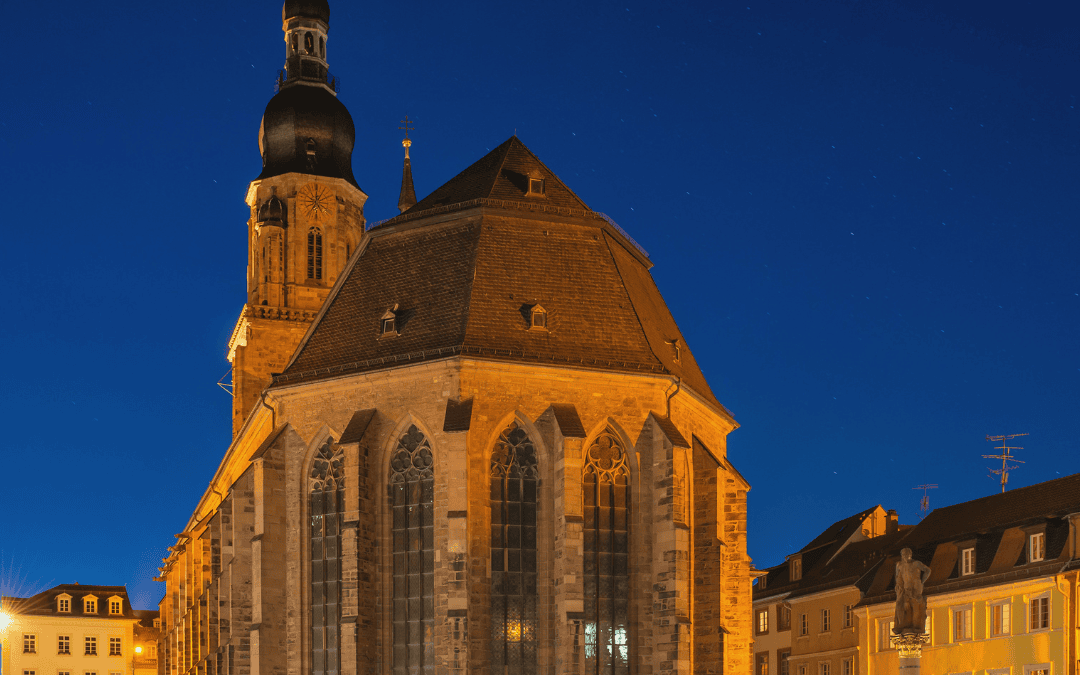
{"points": [[555, 175]]}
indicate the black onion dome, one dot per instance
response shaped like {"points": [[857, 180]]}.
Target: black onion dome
{"points": [[313, 9], [305, 129]]}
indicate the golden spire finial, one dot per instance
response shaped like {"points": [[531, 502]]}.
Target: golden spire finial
{"points": [[406, 124]]}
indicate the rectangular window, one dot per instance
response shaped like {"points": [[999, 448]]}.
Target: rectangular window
{"points": [[63, 672], [115, 607], [29, 643], [1037, 669], [884, 635], [804, 625], [63, 604], [91, 646], [1036, 547], [1040, 613], [961, 624], [63, 644], [823, 668], [89, 607], [1000, 622], [761, 664], [114, 647], [848, 666], [115, 672], [826, 621], [783, 660], [967, 561], [762, 621], [90, 672], [802, 669], [848, 616], [796, 569], [783, 617], [29, 672]]}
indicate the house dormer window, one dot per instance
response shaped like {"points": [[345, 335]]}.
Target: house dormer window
{"points": [[536, 185], [89, 605], [1036, 547], [116, 605], [388, 323], [63, 603], [967, 561], [796, 569], [676, 348], [538, 318]]}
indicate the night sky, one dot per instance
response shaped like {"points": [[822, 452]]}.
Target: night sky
{"points": [[863, 216]]}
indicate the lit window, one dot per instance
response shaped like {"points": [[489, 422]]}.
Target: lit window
{"points": [[967, 561], [63, 603], [762, 621], [114, 646], [1040, 613], [826, 620], [89, 605], [848, 616], [29, 643], [1041, 669], [961, 624], [514, 479], [796, 569], [63, 644], [804, 625], [1000, 619], [314, 259], [91, 647], [606, 501], [1036, 547], [761, 663], [539, 317]]}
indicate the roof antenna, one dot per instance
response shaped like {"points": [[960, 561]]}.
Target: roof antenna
{"points": [[924, 503], [1005, 457]]}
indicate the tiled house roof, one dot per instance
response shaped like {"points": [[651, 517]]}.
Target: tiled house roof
{"points": [[44, 603], [465, 284]]}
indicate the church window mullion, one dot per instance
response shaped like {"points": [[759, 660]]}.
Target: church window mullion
{"points": [[325, 505]]}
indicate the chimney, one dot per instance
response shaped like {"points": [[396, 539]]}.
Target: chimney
{"points": [[893, 523]]}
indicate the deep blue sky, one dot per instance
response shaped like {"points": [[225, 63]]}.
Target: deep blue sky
{"points": [[862, 214]]}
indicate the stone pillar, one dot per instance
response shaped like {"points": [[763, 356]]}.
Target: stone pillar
{"points": [[909, 645]]}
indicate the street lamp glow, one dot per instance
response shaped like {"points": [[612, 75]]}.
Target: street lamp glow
{"points": [[5, 619], [138, 650]]}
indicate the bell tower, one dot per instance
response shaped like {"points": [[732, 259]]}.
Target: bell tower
{"points": [[307, 212]]}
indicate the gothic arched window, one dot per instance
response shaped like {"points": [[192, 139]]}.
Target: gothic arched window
{"points": [[326, 502], [314, 253], [513, 553], [606, 486], [412, 491]]}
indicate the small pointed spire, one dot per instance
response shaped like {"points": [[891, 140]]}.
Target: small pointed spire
{"points": [[408, 195]]}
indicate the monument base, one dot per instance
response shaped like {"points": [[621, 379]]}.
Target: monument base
{"points": [[910, 647]]}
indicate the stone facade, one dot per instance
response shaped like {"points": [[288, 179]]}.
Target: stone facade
{"points": [[237, 578]]}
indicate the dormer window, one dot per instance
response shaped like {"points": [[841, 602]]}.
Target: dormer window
{"points": [[1036, 547], [116, 605], [63, 603], [967, 562], [89, 605], [388, 323], [676, 347], [536, 184], [538, 318], [796, 569]]}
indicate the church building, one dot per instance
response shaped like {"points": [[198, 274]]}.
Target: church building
{"points": [[469, 439]]}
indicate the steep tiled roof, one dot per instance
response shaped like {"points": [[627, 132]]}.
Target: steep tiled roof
{"points": [[44, 603], [464, 283], [503, 173]]}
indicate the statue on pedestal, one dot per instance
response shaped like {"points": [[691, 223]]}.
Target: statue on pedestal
{"points": [[910, 603]]}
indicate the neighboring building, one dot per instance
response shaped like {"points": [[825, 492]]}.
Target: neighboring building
{"points": [[70, 630], [804, 617], [471, 438], [146, 638], [1002, 592]]}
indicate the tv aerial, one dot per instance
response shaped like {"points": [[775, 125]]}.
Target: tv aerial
{"points": [[924, 503], [1005, 456]]}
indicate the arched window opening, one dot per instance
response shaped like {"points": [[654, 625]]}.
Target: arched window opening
{"points": [[412, 491], [309, 44], [322, 48], [513, 553], [606, 485], [295, 43], [314, 253], [326, 503]]}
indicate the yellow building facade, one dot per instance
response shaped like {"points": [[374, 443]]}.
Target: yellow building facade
{"points": [[70, 630]]}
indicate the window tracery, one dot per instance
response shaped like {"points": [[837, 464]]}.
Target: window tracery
{"points": [[605, 482], [314, 260], [514, 480], [326, 497], [412, 491]]}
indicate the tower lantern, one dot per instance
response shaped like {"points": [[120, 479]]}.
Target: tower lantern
{"points": [[306, 24]]}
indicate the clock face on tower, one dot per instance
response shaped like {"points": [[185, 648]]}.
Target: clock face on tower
{"points": [[315, 200]]}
